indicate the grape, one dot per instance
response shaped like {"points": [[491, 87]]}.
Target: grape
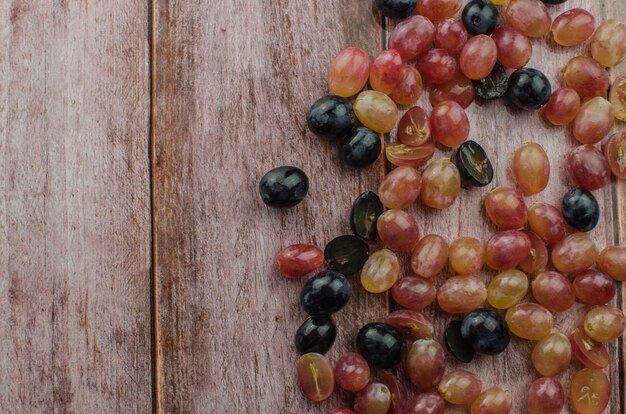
{"points": [[466, 255], [409, 89], [530, 17], [507, 289], [315, 377], [381, 345], [398, 230], [430, 256], [594, 287], [346, 254], [375, 398], [538, 258], [494, 86], [529, 321], [376, 111], [352, 373], [412, 324], [506, 249], [589, 352], [506, 208], [478, 57], [573, 27], [436, 66], [396, 9], [552, 355], [460, 387], [563, 106], [412, 37], [348, 72], [608, 44], [326, 293], [460, 90], [529, 88], [604, 323], [588, 167], [474, 164], [426, 403], [590, 391], [441, 184], [575, 253], [425, 363], [581, 209], [410, 156], [615, 152], [547, 222], [330, 117], [461, 294], [546, 396], [316, 334], [612, 261], [380, 272], [480, 17], [399, 393], [455, 344], [365, 212], [283, 187], [586, 77], [485, 331], [400, 188], [514, 48], [449, 123], [298, 260], [414, 127], [386, 71], [554, 291], [361, 148], [618, 97], [438, 9], [414, 292], [451, 36], [495, 400], [531, 168], [594, 121]]}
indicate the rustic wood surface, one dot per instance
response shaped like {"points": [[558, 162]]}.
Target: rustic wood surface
{"points": [[74, 207], [138, 259]]}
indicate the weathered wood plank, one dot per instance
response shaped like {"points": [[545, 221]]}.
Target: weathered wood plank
{"points": [[234, 80], [616, 10], [74, 207]]}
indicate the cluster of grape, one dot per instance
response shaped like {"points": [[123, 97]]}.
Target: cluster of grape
{"points": [[461, 59]]}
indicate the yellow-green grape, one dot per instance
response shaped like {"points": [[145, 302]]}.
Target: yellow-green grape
{"points": [[381, 271], [376, 111], [604, 323], [507, 289], [495, 400], [466, 255], [529, 321], [608, 44], [590, 391], [552, 355], [500, 2], [459, 387]]}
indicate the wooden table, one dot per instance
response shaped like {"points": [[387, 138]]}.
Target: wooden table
{"points": [[137, 259]]}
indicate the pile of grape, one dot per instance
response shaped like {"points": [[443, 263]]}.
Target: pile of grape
{"points": [[461, 59]]}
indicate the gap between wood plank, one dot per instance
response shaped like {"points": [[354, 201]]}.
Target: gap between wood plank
{"points": [[154, 324]]}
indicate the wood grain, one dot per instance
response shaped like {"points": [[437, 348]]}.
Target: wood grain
{"points": [[74, 207], [618, 12], [233, 82]]}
